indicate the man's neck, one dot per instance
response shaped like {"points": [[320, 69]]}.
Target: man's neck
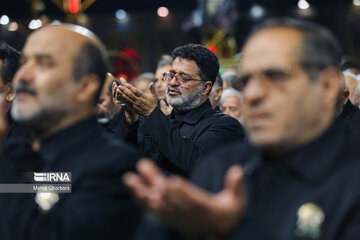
{"points": [[275, 153], [43, 130]]}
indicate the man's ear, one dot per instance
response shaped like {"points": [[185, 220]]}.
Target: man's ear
{"points": [[88, 86], [346, 95], [331, 84], [10, 93], [207, 88]]}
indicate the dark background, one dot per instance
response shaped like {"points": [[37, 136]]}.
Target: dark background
{"points": [[135, 44]]}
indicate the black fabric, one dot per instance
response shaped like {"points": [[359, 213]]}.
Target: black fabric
{"points": [[16, 130], [99, 206], [324, 172], [177, 141], [350, 115]]}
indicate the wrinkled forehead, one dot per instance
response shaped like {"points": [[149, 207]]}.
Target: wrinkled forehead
{"points": [[272, 47]]}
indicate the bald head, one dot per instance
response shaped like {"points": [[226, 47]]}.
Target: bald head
{"points": [[60, 78]]}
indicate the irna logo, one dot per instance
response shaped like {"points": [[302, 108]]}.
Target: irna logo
{"points": [[52, 177]]}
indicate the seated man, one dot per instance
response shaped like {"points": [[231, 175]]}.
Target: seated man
{"points": [[300, 170], [106, 108], [160, 85], [62, 71], [216, 93], [176, 141]]}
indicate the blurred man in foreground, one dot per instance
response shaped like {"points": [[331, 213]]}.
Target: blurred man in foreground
{"points": [[299, 178], [56, 90]]}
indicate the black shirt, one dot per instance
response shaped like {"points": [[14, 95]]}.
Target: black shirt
{"points": [[99, 206], [180, 139], [350, 114], [322, 178]]}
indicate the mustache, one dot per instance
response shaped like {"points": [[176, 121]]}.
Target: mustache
{"points": [[24, 87], [174, 89]]}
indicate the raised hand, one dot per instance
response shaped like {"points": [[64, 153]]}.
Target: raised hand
{"points": [[139, 102], [187, 208]]}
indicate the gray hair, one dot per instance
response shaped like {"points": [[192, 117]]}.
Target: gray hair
{"points": [[165, 60], [320, 49], [230, 92]]}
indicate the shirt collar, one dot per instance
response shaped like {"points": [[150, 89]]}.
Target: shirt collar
{"points": [[316, 159], [53, 145], [193, 116], [312, 161], [348, 108]]}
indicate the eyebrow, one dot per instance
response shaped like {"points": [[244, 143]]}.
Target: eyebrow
{"points": [[173, 71], [43, 56], [40, 56]]}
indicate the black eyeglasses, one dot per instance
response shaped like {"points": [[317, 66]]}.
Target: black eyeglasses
{"points": [[273, 75], [182, 78]]}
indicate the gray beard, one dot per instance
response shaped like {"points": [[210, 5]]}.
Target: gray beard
{"points": [[185, 102]]}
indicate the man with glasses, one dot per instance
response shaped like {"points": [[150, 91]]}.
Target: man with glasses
{"points": [[299, 177], [193, 128]]}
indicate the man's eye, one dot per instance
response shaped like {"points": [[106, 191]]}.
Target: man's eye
{"points": [[184, 77], [45, 63], [274, 74], [241, 83]]}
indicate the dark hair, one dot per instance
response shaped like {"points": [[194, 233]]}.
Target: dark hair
{"points": [[91, 60], [165, 60], [320, 49], [10, 65], [205, 59], [349, 64]]}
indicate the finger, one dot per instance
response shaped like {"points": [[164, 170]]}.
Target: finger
{"points": [[234, 180], [123, 81], [129, 93], [182, 194], [114, 89], [150, 172], [135, 184], [152, 89], [137, 92], [123, 97]]}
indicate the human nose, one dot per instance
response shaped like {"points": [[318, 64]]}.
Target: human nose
{"points": [[254, 90], [174, 81], [25, 73]]}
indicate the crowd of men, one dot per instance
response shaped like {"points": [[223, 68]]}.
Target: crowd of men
{"points": [[268, 150]]}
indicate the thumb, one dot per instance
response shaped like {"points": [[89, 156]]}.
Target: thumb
{"points": [[234, 180], [152, 89]]}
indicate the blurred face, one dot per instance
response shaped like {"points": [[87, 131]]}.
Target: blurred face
{"points": [[106, 108], [160, 83], [187, 95], [232, 106], [281, 105], [44, 84]]}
